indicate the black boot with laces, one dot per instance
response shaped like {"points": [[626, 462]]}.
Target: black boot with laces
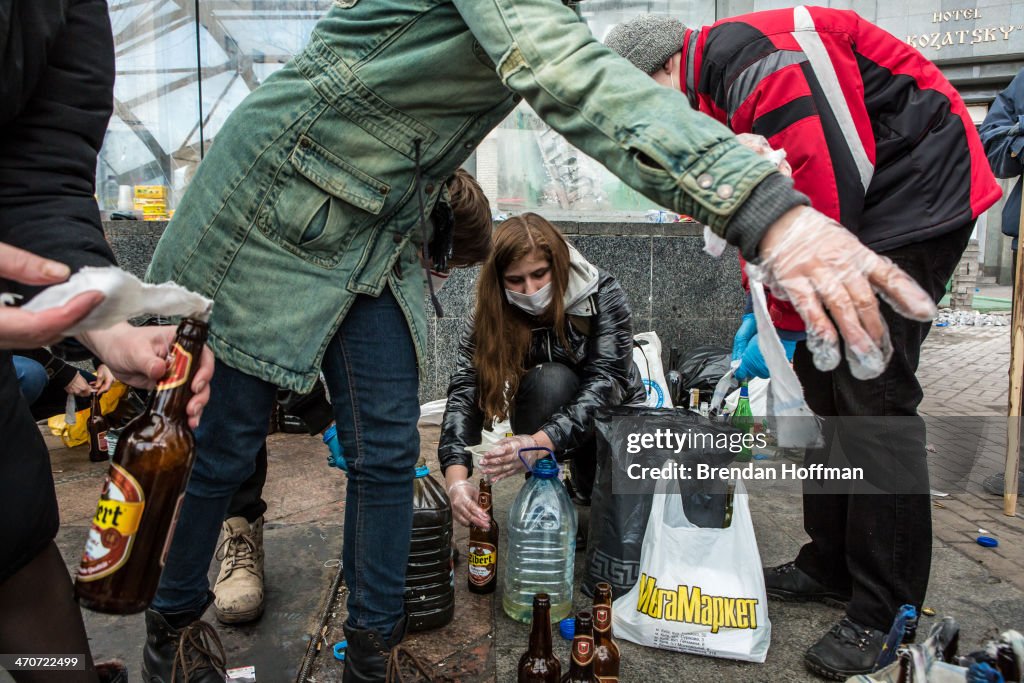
{"points": [[789, 583], [181, 648], [846, 650]]}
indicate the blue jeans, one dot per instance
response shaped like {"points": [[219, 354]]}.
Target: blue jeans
{"points": [[32, 378], [371, 372]]}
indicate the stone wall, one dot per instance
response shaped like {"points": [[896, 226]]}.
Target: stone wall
{"points": [[674, 288]]}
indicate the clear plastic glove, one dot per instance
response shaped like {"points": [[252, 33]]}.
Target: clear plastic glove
{"points": [[747, 331], [503, 460], [818, 265], [753, 364], [464, 496]]}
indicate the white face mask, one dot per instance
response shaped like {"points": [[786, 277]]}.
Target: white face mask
{"points": [[534, 304]]}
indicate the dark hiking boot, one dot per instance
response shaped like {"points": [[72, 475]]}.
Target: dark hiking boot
{"points": [[848, 649], [789, 584], [369, 658], [181, 648]]}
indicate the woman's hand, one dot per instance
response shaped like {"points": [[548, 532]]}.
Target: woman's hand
{"points": [[104, 379], [464, 495], [78, 386], [503, 460]]}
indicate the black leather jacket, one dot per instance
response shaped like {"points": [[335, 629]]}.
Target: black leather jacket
{"points": [[602, 357]]}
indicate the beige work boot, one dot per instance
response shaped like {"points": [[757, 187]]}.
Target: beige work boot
{"points": [[239, 588]]}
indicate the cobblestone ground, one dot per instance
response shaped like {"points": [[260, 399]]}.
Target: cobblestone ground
{"points": [[964, 374]]}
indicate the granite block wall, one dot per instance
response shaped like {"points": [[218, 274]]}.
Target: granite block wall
{"points": [[674, 288]]}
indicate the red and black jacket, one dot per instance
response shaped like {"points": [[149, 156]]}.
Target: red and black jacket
{"points": [[877, 137]]}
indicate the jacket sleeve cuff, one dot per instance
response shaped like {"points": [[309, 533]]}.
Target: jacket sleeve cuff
{"points": [[773, 197]]}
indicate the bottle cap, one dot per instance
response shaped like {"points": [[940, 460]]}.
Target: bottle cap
{"points": [[567, 627], [422, 471], [339, 650], [987, 541]]}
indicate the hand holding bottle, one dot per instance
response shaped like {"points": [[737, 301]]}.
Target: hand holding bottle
{"points": [[463, 495]]}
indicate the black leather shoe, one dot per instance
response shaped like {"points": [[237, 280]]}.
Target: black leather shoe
{"points": [[789, 584], [181, 647], [848, 649]]}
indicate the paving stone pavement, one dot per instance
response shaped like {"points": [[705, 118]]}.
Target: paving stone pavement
{"points": [[964, 374]]}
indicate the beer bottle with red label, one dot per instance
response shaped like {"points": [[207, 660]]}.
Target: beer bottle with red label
{"points": [[97, 426], [581, 659], [483, 548], [606, 651], [139, 504], [538, 664]]}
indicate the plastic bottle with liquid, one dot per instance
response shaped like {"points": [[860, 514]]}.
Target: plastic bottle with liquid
{"points": [[541, 544], [430, 576]]}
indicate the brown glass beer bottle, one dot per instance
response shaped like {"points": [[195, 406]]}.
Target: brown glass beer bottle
{"points": [[97, 426], [581, 658], [538, 664], [139, 504], [606, 651], [483, 548]]}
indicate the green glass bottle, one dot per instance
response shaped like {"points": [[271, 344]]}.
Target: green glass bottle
{"points": [[743, 419]]}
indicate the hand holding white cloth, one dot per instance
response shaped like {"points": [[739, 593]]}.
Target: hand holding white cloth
{"points": [[125, 297]]}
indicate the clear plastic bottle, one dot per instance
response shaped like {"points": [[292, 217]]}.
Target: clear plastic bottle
{"points": [[541, 544]]}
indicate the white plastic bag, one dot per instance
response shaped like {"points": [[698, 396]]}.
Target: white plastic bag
{"points": [[647, 357], [786, 398], [700, 590]]}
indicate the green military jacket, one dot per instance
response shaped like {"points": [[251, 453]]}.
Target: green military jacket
{"points": [[307, 197]]}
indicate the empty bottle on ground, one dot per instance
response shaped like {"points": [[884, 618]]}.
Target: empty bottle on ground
{"points": [[606, 650], [539, 664], [541, 544], [98, 427]]}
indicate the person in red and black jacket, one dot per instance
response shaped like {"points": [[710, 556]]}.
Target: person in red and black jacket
{"points": [[880, 141]]}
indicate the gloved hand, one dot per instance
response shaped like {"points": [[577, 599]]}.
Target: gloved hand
{"points": [[747, 331], [817, 264], [503, 460], [464, 496], [753, 363]]}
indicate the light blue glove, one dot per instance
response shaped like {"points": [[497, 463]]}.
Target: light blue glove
{"points": [[753, 364], [747, 331]]}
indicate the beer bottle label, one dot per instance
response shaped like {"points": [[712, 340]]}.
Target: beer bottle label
{"points": [[178, 363], [101, 440], [483, 563], [114, 525], [582, 650], [602, 618]]}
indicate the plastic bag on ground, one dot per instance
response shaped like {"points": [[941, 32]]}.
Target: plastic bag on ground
{"points": [[647, 358], [700, 590]]}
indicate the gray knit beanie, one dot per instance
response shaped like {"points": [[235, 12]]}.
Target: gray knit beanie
{"points": [[647, 40]]}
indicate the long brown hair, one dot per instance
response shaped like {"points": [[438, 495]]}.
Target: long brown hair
{"points": [[502, 331]]}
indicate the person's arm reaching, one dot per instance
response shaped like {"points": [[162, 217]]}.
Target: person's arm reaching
{"points": [[691, 164]]}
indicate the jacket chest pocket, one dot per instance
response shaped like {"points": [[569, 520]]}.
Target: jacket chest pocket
{"points": [[318, 203]]}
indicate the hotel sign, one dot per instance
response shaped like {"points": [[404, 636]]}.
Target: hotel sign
{"points": [[966, 31]]}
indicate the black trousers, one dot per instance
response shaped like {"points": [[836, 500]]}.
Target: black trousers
{"points": [[878, 546], [26, 479], [543, 390]]}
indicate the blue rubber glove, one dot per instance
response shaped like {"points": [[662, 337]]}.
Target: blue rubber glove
{"points": [[747, 331], [753, 365]]}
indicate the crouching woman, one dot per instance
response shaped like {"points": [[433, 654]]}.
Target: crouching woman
{"points": [[550, 343]]}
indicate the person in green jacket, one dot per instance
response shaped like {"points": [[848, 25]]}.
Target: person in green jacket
{"points": [[305, 223]]}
